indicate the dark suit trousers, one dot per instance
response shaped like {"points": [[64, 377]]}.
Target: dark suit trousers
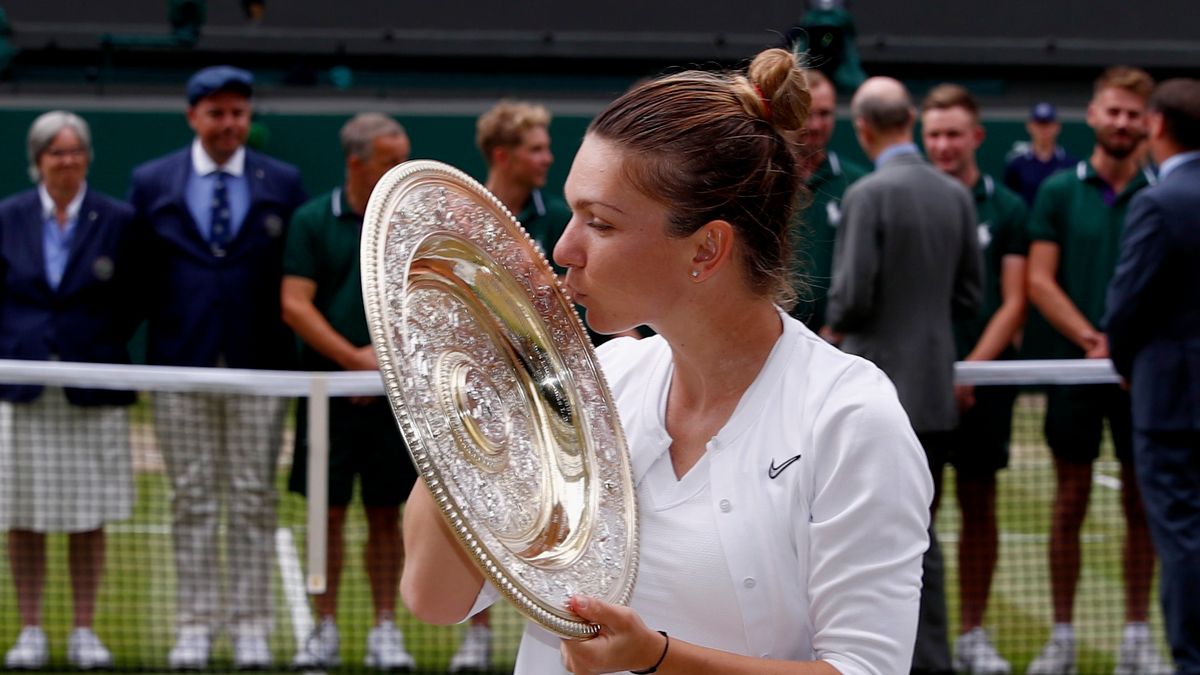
{"points": [[931, 653], [1168, 471]]}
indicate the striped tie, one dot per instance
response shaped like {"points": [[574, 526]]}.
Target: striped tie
{"points": [[222, 219]]}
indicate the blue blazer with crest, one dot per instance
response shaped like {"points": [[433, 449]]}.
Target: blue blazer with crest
{"points": [[205, 308], [1153, 311], [90, 316]]}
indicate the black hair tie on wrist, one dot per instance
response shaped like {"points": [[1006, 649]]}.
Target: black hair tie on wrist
{"points": [[654, 668]]}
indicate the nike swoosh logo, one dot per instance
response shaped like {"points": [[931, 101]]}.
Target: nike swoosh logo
{"points": [[774, 471]]}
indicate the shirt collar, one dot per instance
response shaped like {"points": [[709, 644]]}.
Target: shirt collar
{"points": [[1175, 161], [339, 205], [984, 188], [203, 165], [895, 151], [48, 207], [1085, 172]]}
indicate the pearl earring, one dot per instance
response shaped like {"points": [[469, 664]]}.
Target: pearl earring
{"points": [[695, 274]]}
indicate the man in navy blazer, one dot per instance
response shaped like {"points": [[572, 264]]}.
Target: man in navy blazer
{"points": [[213, 218], [1154, 337]]}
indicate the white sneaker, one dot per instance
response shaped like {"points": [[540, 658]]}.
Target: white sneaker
{"points": [[1139, 656], [251, 652], [191, 649], [320, 649], [85, 651], [1057, 658], [30, 652], [385, 649], [475, 652], [975, 655]]}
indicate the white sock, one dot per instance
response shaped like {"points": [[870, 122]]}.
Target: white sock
{"points": [[1137, 630], [1062, 632]]}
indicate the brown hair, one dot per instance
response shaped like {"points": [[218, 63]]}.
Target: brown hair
{"points": [[1178, 101], [946, 96], [1133, 80], [505, 124], [708, 147]]}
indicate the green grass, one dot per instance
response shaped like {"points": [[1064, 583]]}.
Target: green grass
{"points": [[135, 610], [134, 615]]}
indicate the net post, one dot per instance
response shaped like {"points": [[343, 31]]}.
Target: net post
{"points": [[318, 481]]}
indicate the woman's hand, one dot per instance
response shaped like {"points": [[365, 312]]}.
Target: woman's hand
{"points": [[624, 641]]}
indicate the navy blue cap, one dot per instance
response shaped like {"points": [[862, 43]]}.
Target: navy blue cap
{"points": [[209, 81], [1043, 112]]}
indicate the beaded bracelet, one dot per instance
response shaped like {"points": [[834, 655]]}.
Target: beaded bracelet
{"points": [[654, 668]]}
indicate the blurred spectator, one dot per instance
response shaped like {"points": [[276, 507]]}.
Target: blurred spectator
{"points": [[952, 134], [1153, 323], [64, 454], [1075, 230], [514, 138], [906, 262], [215, 215], [1029, 164], [322, 302], [827, 175]]}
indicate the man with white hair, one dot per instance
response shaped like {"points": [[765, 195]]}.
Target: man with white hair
{"points": [[906, 262]]}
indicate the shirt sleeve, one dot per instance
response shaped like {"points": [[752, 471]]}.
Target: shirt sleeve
{"points": [[1044, 222], [1013, 232], [298, 247], [869, 528]]}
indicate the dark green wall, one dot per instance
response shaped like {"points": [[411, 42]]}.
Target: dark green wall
{"points": [[124, 139]]}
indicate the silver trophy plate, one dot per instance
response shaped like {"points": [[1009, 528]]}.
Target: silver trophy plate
{"points": [[498, 393]]}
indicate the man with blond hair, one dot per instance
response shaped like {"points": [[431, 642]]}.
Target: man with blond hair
{"points": [[1075, 229], [514, 138], [952, 133], [906, 263]]}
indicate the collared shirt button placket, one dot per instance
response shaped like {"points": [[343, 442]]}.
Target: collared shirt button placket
{"points": [[725, 505]]}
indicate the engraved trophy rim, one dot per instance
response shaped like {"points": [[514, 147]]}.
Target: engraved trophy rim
{"points": [[613, 498]]}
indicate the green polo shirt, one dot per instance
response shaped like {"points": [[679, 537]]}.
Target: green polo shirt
{"points": [[814, 229], [545, 218], [1078, 211], [322, 245], [1001, 215]]}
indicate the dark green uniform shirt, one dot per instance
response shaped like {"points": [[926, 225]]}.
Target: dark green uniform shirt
{"points": [[1001, 215], [1079, 211], [322, 245], [813, 231], [545, 218]]}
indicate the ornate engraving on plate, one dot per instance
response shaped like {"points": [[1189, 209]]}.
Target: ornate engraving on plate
{"points": [[498, 394]]}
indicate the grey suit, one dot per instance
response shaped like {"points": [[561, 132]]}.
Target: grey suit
{"points": [[906, 262]]}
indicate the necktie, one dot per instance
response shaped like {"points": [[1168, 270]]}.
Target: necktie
{"points": [[222, 221]]}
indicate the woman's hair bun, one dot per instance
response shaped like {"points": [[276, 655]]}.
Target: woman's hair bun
{"points": [[778, 89]]}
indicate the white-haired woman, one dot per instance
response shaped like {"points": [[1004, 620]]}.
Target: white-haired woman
{"points": [[64, 453]]}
